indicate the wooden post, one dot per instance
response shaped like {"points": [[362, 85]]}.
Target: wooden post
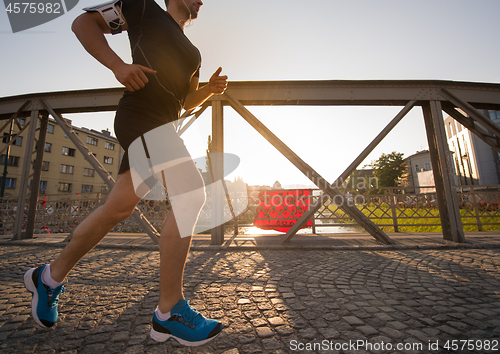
{"points": [[392, 198], [37, 174], [23, 186], [475, 205], [218, 169], [446, 192]]}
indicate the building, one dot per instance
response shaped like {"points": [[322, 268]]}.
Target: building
{"points": [[64, 171], [419, 170], [476, 162]]}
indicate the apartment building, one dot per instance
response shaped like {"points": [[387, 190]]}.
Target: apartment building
{"points": [[64, 171], [476, 162]]}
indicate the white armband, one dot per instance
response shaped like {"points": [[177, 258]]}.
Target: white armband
{"points": [[110, 14]]}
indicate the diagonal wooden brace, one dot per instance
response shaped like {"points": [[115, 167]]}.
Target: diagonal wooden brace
{"points": [[352, 167], [319, 181], [101, 171]]}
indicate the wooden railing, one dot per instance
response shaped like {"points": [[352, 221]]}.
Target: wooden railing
{"points": [[393, 209]]}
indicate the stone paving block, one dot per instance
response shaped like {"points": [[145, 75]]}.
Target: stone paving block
{"points": [[93, 349], [264, 332], [449, 330], [251, 348], [284, 331], [247, 338], [353, 320], [276, 321], [329, 333], [259, 322], [271, 344], [231, 351], [368, 330], [120, 336], [420, 335], [391, 332], [308, 333]]}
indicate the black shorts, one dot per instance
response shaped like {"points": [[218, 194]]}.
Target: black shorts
{"points": [[132, 121]]}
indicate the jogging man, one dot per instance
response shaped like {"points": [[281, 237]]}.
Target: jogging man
{"points": [[162, 80]]}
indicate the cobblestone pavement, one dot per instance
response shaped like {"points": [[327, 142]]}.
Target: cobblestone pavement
{"points": [[269, 301]]}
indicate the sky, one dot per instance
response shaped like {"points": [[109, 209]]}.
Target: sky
{"points": [[262, 40]]}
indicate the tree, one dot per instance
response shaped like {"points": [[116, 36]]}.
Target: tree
{"points": [[389, 168]]}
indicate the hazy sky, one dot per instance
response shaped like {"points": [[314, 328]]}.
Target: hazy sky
{"points": [[287, 40]]}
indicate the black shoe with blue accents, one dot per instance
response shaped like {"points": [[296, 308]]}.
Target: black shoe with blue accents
{"points": [[45, 300], [185, 325]]}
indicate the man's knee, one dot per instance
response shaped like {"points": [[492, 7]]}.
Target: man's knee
{"points": [[118, 212], [190, 203]]}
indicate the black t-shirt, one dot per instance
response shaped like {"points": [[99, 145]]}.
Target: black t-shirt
{"points": [[158, 42]]}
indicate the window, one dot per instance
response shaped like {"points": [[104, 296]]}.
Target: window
{"points": [[68, 151], [109, 146], [50, 129], [87, 188], [417, 168], [10, 183], [104, 188], [67, 169], [108, 160], [45, 165], [43, 186], [89, 172], [21, 121], [48, 147], [494, 115], [92, 141], [427, 166], [6, 139], [64, 187], [13, 161]]}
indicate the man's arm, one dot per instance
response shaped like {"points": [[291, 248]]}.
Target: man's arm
{"points": [[197, 96], [90, 28]]}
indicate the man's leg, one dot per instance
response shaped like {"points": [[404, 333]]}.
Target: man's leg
{"points": [[45, 282], [118, 206], [186, 191], [174, 318], [173, 253]]}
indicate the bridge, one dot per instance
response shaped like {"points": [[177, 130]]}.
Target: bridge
{"points": [[460, 100]]}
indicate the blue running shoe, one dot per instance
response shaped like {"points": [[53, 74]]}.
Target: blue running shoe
{"points": [[45, 299], [186, 325]]}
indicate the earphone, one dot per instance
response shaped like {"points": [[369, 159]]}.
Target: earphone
{"points": [[189, 22]]}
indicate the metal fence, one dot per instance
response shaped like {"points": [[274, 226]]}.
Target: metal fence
{"points": [[393, 209]]}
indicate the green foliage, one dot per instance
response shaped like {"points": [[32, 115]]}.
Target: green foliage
{"points": [[389, 168]]}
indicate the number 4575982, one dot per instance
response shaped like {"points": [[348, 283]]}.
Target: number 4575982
{"points": [[33, 7]]}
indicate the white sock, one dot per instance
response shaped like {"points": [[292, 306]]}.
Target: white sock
{"points": [[162, 316], [47, 279]]}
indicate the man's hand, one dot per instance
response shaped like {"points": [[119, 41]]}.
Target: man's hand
{"points": [[217, 83], [132, 76]]}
